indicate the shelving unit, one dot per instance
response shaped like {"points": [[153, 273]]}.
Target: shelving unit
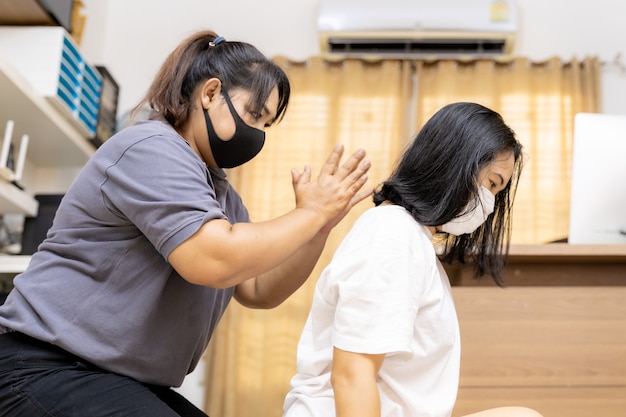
{"points": [[53, 142]]}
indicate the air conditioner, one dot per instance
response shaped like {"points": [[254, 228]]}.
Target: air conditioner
{"points": [[419, 29]]}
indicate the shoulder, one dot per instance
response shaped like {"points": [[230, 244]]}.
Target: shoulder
{"points": [[386, 228], [150, 140], [146, 129], [391, 221]]}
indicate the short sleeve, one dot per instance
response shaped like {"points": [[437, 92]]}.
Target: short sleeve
{"points": [[162, 188], [376, 281]]}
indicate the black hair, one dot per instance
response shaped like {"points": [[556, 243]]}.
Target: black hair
{"points": [[197, 59], [437, 176]]}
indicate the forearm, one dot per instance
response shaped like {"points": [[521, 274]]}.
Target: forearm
{"points": [[272, 288]]}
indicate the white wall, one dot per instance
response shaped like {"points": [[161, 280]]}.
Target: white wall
{"points": [[132, 38]]}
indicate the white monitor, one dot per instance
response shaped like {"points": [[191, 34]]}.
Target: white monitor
{"points": [[598, 194]]}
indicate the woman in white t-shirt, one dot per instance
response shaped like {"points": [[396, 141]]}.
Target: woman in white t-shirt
{"points": [[382, 337]]}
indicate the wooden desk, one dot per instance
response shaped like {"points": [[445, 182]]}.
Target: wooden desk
{"points": [[553, 340], [555, 264]]}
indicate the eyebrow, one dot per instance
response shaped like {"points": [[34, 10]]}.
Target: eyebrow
{"points": [[501, 178]]}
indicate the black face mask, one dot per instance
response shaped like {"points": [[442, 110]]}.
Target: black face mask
{"points": [[245, 144]]}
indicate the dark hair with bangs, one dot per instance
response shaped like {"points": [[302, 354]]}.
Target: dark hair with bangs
{"points": [[195, 60], [438, 175]]}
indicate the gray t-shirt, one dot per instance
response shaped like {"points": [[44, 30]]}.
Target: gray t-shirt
{"points": [[100, 286]]}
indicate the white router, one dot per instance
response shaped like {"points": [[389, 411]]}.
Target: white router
{"points": [[12, 175]]}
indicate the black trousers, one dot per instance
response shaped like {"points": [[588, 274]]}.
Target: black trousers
{"points": [[39, 379]]}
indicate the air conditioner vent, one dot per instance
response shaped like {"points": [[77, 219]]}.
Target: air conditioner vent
{"points": [[417, 47]]}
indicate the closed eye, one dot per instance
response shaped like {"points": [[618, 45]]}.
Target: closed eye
{"points": [[259, 115], [497, 184]]}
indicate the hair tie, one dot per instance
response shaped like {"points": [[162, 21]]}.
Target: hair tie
{"points": [[217, 41]]}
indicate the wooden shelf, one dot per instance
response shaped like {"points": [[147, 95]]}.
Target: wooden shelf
{"points": [[13, 264], [15, 201]]}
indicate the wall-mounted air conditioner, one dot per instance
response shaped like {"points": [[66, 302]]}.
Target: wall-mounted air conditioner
{"points": [[417, 28]]}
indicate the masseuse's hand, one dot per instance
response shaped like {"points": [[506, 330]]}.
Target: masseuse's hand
{"points": [[337, 188]]}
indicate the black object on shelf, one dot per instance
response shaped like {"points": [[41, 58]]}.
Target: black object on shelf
{"points": [[107, 111], [37, 13], [36, 228], [61, 11]]}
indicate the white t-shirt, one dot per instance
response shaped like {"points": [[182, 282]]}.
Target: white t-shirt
{"points": [[384, 291]]}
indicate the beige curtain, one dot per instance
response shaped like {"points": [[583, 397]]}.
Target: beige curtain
{"points": [[374, 105], [359, 104], [539, 101]]}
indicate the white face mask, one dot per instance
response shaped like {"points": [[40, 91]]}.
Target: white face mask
{"points": [[471, 220]]}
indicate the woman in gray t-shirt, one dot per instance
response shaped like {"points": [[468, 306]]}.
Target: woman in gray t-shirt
{"points": [[150, 243]]}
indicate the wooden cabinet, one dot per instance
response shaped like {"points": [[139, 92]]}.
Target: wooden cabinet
{"points": [[554, 339]]}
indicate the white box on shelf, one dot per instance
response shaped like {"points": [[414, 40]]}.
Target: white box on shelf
{"points": [[48, 58]]}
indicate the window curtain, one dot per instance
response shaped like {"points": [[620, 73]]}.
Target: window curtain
{"points": [[538, 100], [359, 104], [379, 106]]}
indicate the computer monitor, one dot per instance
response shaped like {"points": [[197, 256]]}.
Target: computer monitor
{"points": [[598, 194]]}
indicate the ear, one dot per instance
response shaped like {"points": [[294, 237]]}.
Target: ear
{"points": [[210, 91]]}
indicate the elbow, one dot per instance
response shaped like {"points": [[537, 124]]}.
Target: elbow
{"points": [[210, 277], [249, 297], [339, 381], [211, 257], [343, 385], [211, 283], [257, 304]]}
